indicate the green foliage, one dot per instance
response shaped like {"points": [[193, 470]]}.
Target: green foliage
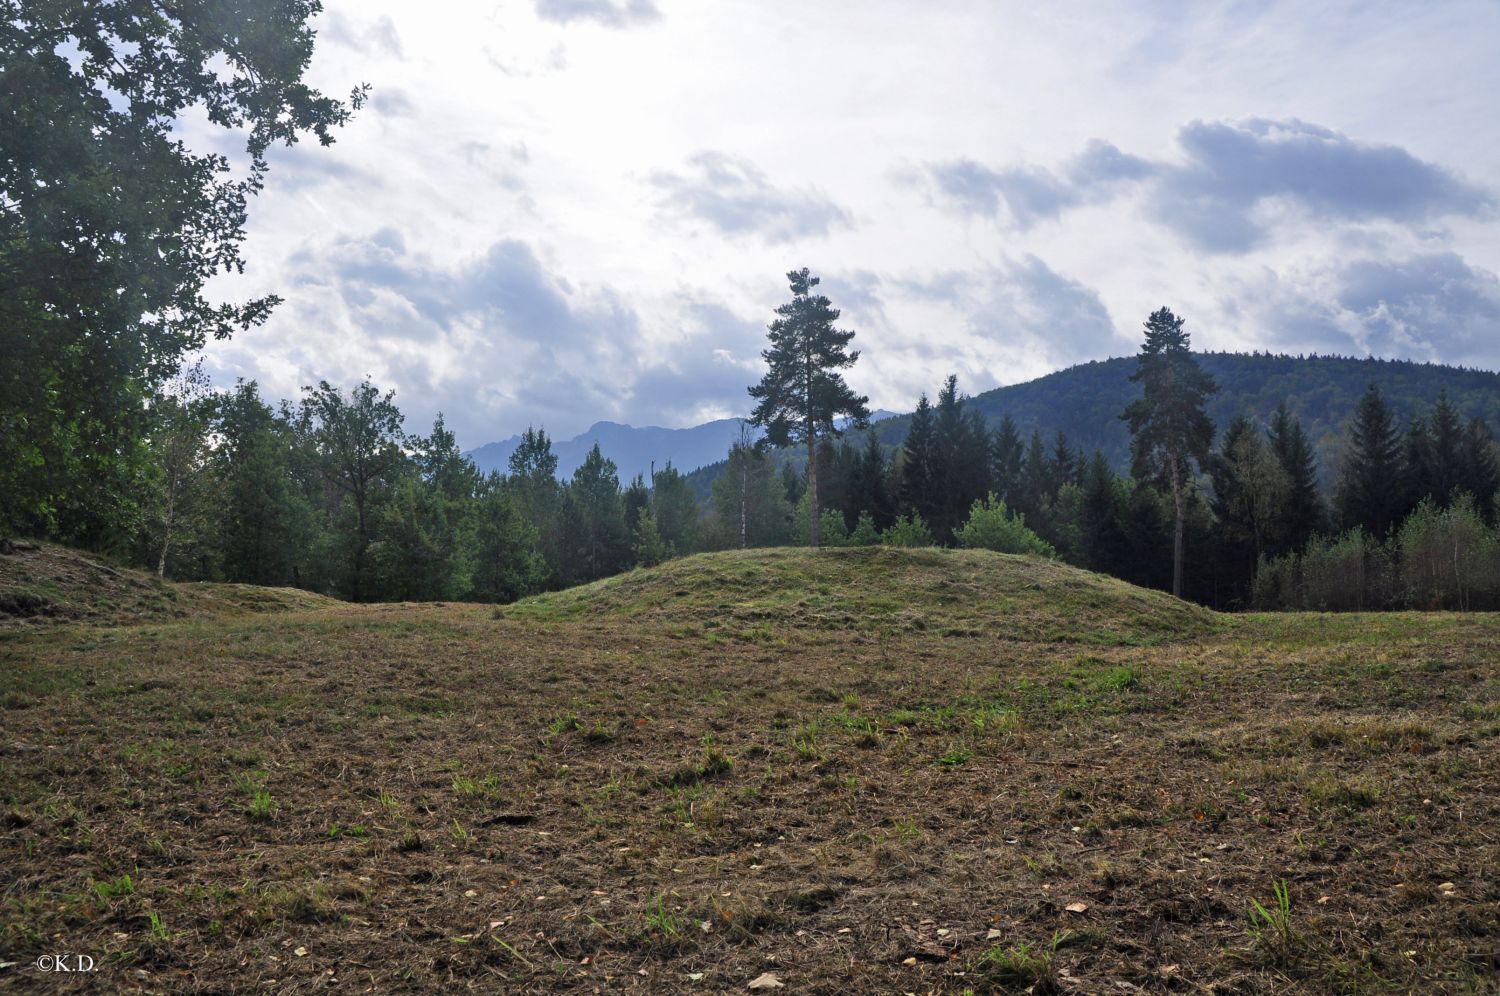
{"points": [[111, 228], [1369, 496], [802, 392], [1447, 558], [908, 532], [650, 547], [992, 526]]}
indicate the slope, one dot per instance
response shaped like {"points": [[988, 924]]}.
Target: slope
{"points": [[759, 595]]}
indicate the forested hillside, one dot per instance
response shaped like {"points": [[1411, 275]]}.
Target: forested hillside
{"points": [[1084, 402]]}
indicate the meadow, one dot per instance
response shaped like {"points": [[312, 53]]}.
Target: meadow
{"points": [[852, 770]]}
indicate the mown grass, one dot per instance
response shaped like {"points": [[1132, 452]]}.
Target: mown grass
{"points": [[731, 766]]}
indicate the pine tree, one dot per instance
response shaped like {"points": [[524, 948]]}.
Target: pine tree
{"points": [[870, 486], [1106, 547], [803, 394], [598, 543], [961, 465], [1006, 456], [919, 463], [1481, 476], [1304, 514], [1170, 430], [1368, 494], [1446, 451]]}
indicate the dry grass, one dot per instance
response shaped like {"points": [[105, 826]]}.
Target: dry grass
{"points": [[888, 774]]}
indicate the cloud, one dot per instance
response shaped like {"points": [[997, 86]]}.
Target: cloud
{"points": [[1428, 306], [393, 103], [735, 197], [605, 12], [374, 37], [502, 341], [1024, 308], [1230, 177]]}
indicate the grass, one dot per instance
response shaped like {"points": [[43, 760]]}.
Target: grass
{"points": [[867, 771]]}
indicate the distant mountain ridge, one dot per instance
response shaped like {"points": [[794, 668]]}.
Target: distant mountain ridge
{"points": [[635, 448], [1085, 401]]}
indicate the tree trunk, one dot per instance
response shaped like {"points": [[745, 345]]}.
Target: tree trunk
{"points": [[166, 533], [1179, 513], [814, 527], [744, 498]]}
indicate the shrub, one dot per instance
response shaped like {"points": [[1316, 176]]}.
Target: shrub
{"points": [[992, 526], [908, 532]]}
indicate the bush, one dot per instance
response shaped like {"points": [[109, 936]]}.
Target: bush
{"points": [[864, 532], [992, 526], [908, 532], [1448, 559]]}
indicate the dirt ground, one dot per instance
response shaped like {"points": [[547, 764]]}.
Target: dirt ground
{"points": [[757, 769]]}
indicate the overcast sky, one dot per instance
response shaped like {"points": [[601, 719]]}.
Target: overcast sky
{"points": [[559, 211]]}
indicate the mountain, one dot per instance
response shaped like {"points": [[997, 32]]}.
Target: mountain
{"points": [[1085, 401], [633, 449]]}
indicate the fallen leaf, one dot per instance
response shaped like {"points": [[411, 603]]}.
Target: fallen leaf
{"points": [[993, 935], [910, 961], [1324, 899], [1077, 907], [300, 952], [695, 976], [766, 980]]}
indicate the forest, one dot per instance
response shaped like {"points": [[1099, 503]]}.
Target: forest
{"points": [[333, 493]]}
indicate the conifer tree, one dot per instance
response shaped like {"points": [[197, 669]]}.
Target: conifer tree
{"points": [[1368, 494], [1481, 476], [1170, 430], [1304, 514], [802, 394], [1006, 456], [919, 460]]}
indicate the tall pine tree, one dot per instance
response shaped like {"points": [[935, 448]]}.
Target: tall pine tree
{"points": [[1368, 494], [1170, 430], [802, 393]]}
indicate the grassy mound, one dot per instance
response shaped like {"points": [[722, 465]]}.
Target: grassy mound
{"points": [[750, 594], [43, 583]]}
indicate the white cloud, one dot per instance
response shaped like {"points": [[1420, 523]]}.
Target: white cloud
{"points": [[524, 226]]}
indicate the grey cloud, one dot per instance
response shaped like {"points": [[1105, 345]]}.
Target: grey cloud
{"points": [[1030, 194], [605, 12], [503, 341], [393, 103], [736, 198], [1432, 306], [308, 164], [1026, 303], [1228, 173], [378, 35]]}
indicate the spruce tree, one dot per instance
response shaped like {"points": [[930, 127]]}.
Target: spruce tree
{"points": [[802, 394], [1169, 428], [1446, 451], [919, 463], [1481, 476], [1304, 514], [1006, 456], [1368, 494]]}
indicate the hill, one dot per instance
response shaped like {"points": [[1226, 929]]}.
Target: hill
{"points": [[858, 771], [44, 583], [755, 595], [1085, 401]]}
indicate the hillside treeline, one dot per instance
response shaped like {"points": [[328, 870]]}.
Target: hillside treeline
{"points": [[334, 494]]}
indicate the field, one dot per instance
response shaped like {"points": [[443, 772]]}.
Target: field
{"points": [[849, 771]]}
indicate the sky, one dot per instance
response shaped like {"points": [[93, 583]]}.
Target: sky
{"points": [[553, 212]]}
